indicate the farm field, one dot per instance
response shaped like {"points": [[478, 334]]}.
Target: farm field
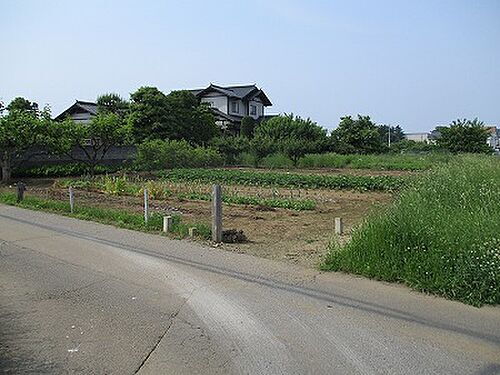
{"points": [[299, 233]]}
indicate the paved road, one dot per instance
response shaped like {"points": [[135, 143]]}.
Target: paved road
{"points": [[82, 297]]}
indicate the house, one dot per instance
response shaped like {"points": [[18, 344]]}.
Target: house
{"points": [[231, 103], [80, 111]]}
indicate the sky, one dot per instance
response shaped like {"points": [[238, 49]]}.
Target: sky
{"points": [[411, 63]]}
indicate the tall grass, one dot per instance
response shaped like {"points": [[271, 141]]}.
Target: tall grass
{"points": [[382, 161], [441, 236]]}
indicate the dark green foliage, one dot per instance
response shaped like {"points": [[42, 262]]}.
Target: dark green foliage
{"points": [[289, 180], [464, 136], [176, 116], [156, 155], [230, 147], [356, 136], [23, 105], [113, 103], [247, 126], [396, 133], [441, 236]]}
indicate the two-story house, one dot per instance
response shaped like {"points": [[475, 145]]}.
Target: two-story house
{"points": [[231, 103]]}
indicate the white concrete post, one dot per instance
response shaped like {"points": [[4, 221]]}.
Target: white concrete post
{"points": [[71, 199], [146, 205], [192, 232], [339, 225], [217, 214], [167, 223]]}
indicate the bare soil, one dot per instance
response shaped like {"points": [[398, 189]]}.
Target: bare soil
{"points": [[299, 237]]}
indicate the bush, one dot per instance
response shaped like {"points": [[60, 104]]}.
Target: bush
{"points": [[230, 147], [441, 236], [276, 161], [157, 154]]}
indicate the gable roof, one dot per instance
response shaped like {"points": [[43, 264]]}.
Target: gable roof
{"points": [[243, 92], [89, 107]]}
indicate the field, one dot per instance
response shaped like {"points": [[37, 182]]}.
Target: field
{"points": [[285, 216]]}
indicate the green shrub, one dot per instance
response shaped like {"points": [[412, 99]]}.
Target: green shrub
{"points": [[157, 154], [441, 236], [230, 147], [276, 161]]}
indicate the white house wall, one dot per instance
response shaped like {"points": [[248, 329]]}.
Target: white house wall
{"points": [[218, 101]]}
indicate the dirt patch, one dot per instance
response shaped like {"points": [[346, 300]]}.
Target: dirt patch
{"points": [[299, 237]]}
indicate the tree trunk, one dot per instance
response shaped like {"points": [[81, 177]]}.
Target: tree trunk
{"points": [[6, 173]]}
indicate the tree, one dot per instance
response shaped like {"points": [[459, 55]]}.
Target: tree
{"points": [[20, 104], [93, 140], [290, 126], [231, 147], [179, 115], [112, 103], [396, 133], [357, 136], [247, 126], [296, 148], [464, 136], [262, 146], [21, 129]]}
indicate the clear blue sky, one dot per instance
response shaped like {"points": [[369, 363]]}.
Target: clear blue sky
{"points": [[407, 62]]}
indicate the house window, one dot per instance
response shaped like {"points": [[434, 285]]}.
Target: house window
{"points": [[235, 107], [253, 109]]}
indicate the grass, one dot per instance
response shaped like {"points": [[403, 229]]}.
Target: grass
{"points": [[405, 162], [441, 236], [286, 180], [118, 218], [160, 190]]}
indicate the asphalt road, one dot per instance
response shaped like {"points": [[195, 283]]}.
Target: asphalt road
{"points": [[83, 297]]}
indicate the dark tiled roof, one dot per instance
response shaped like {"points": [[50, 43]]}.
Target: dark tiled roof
{"points": [[239, 92], [89, 107]]}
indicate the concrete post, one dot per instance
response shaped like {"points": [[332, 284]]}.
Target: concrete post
{"points": [[192, 232], [217, 214], [167, 223], [21, 187], [339, 225], [71, 199], [146, 205]]}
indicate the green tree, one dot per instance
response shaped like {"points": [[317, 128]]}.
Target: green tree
{"points": [[20, 104], [397, 134], [359, 135], [93, 140], [262, 146], [464, 136], [231, 147], [247, 126], [290, 126], [179, 115], [22, 128], [112, 103]]}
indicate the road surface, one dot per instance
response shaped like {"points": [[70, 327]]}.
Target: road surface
{"points": [[82, 297]]}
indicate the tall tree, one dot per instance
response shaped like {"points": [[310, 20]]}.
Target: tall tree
{"points": [[464, 136], [359, 135], [179, 115], [22, 128], [247, 126], [112, 103], [93, 140]]}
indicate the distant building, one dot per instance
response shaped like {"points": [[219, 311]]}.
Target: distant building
{"points": [[418, 137], [493, 139]]}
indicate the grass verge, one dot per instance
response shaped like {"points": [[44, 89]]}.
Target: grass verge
{"points": [[442, 236], [118, 218]]}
